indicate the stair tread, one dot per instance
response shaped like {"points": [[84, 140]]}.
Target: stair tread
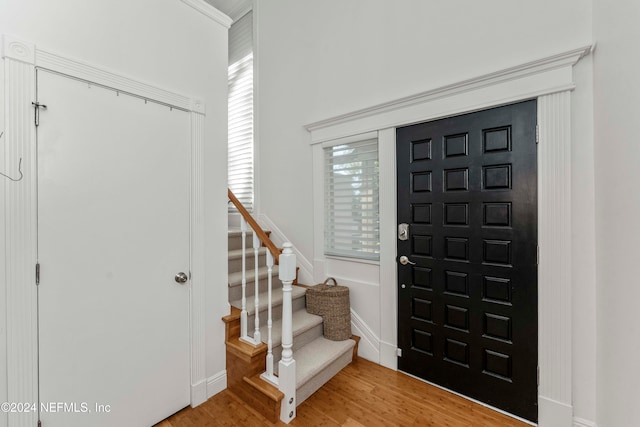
{"points": [[264, 387], [276, 298], [302, 322], [235, 279], [317, 355]]}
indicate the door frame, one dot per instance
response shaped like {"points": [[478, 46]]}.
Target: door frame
{"points": [[21, 58], [550, 81]]}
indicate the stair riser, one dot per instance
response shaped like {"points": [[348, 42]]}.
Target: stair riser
{"points": [[235, 264], [310, 387], [235, 241], [235, 290], [299, 341]]}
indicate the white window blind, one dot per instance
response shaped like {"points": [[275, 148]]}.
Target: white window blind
{"points": [[351, 200], [240, 156]]}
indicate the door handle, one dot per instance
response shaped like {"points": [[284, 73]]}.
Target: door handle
{"points": [[404, 261], [181, 278]]}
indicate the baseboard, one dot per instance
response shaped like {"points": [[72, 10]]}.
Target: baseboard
{"points": [[369, 346], [552, 413], [388, 355], [198, 393], [305, 275], [581, 422], [216, 384]]}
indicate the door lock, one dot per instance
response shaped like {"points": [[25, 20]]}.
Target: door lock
{"points": [[403, 231], [404, 261], [181, 278]]}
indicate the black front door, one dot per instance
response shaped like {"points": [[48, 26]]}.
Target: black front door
{"points": [[467, 308]]}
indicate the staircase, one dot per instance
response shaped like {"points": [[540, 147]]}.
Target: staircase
{"points": [[317, 359]]}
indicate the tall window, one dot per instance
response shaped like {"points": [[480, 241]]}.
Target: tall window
{"points": [[351, 200], [240, 173]]}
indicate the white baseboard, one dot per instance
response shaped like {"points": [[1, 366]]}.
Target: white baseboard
{"points": [[552, 413], [216, 383], [581, 422], [369, 346], [305, 275], [388, 356], [198, 393]]}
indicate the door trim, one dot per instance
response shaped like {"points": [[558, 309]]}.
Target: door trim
{"points": [[550, 81], [20, 213]]}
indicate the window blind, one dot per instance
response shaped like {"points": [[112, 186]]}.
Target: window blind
{"points": [[351, 200], [240, 154]]}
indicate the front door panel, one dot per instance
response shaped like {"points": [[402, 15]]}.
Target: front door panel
{"points": [[468, 307]]}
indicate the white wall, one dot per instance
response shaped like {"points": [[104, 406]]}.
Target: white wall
{"points": [[170, 45], [617, 154], [320, 59]]}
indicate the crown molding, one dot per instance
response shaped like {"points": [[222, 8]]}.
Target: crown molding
{"points": [[241, 9], [209, 11], [538, 66]]}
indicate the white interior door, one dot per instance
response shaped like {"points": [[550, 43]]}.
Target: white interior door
{"points": [[113, 207]]}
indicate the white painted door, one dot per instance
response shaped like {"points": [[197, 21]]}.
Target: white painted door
{"points": [[113, 208]]}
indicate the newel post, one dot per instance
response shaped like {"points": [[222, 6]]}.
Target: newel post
{"points": [[287, 365]]}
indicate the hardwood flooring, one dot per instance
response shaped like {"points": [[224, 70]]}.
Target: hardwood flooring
{"points": [[362, 394]]}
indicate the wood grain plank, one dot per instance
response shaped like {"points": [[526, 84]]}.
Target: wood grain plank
{"points": [[362, 394]]}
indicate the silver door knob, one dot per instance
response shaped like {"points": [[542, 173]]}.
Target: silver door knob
{"points": [[404, 261], [181, 277]]}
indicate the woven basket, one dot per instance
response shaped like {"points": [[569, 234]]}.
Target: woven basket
{"points": [[332, 303]]}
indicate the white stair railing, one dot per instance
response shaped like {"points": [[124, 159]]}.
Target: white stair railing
{"points": [[286, 379], [269, 374], [243, 314], [256, 339], [256, 295], [287, 365]]}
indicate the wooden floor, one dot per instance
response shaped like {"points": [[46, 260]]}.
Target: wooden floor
{"points": [[363, 394]]}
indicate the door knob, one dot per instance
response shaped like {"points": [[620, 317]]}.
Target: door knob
{"points": [[181, 277], [404, 261]]}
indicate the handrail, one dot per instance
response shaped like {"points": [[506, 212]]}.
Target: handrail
{"points": [[264, 238]]}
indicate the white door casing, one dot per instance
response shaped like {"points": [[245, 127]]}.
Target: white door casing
{"points": [[20, 60], [550, 81]]}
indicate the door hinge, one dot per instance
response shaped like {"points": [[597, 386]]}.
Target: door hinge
{"points": [[537, 134], [399, 352], [39, 423], [537, 255], [36, 116], [538, 375], [37, 274]]}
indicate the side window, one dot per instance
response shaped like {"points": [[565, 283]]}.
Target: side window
{"points": [[240, 154], [351, 200]]}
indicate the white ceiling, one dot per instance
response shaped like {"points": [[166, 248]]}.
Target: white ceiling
{"points": [[232, 8]]}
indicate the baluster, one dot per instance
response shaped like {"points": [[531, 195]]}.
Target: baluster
{"points": [[287, 365], [268, 375], [256, 248], [243, 314]]}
